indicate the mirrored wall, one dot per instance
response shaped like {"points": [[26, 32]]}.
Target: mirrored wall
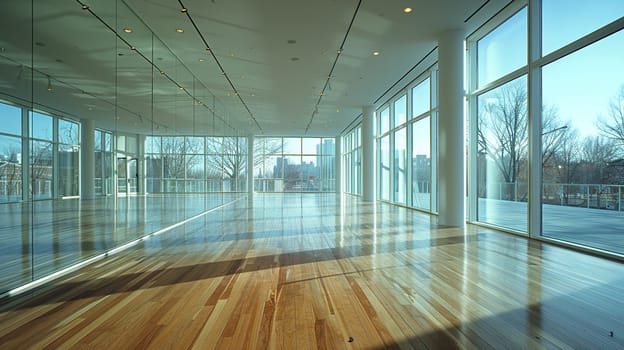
{"points": [[105, 136]]}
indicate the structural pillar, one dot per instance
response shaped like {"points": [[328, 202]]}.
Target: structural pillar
{"points": [[250, 168], [451, 155], [368, 153], [87, 159], [338, 166]]}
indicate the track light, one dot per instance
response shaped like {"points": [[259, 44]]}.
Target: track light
{"points": [[49, 84]]}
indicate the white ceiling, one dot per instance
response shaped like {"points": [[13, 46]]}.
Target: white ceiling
{"points": [[279, 82]]}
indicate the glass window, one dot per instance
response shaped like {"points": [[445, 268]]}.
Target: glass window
{"points": [[503, 50], [421, 96], [194, 145], [98, 140], [41, 126], [68, 170], [421, 164], [384, 121], [564, 21], [214, 145], [10, 119], [502, 160], [582, 146], [384, 171], [400, 168], [328, 147], [41, 169], [311, 146], [10, 168], [400, 110], [292, 145], [108, 142], [68, 132]]}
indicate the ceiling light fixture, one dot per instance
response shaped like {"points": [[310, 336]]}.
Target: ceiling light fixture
{"points": [[85, 7], [375, 53], [407, 10], [201, 60], [127, 30], [184, 10], [179, 30], [49, 84]]}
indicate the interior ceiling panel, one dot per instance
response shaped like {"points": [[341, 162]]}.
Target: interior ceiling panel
{"points": [[277, 54]]}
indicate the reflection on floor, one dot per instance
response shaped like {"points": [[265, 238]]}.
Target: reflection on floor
{"points": [[42, 237], [308, 271]]}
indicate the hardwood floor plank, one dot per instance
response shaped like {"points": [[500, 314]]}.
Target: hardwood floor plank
{"points": [[305, 271]]}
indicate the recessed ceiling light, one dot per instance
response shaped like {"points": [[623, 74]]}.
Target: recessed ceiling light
{"points": [[179, 30], [127, 30], [201, 60], [407, 10], [375, 53]]}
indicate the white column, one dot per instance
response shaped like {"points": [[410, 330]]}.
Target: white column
{"points": [[87, 159], [451, 129], [141, 181], [337, 166], [368, 153], [250, 168]]}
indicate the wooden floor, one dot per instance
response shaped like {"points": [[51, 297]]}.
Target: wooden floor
{"points": [[307, 271]]}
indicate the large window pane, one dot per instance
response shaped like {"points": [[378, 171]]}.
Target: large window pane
{"points": [[10, 119], [502, 156], [421, 164], [68, 170], [41, 169], [400, 110], [10, 168], [68, 132], [400, 168], [582, 146], [384, 121], [384, 171], [421, 98], [41, 126], [292, 146], [310, 173], [564, 21], [503, 50], [311, 145], [292, 173]]}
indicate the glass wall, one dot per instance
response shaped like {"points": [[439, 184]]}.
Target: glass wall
{"points": [[149, 118], [583, 124], [185, 164], [352, 161], [293, 164], [11, 151], [406, 151], [502, 124], [565, 109]]}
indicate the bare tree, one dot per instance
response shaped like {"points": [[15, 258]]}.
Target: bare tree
{"points": [[613, 126], [178, 154], [502, 133]]}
